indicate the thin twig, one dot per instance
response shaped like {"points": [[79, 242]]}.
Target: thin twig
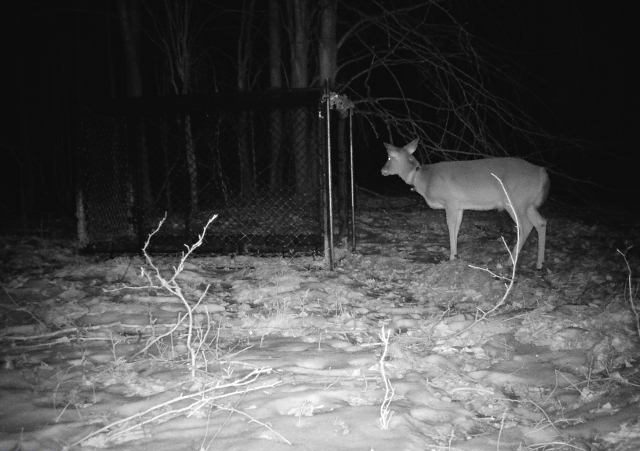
{"points": [[632, 302], [253, 420], [514, 260], [245, 380], [389, 390]]}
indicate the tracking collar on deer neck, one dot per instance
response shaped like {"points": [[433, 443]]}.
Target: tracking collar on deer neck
{"points": [[412, 176]]}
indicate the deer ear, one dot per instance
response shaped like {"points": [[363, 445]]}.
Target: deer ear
{"points": [[390, 147], [412, 146]]}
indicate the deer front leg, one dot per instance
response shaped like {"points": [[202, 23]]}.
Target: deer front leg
{"points": [[454, 219]]}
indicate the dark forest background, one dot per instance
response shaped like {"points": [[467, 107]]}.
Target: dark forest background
{"points": [[547, 80]]}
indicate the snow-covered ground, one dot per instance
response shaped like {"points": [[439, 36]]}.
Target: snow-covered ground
{"points": [[282, 354]]}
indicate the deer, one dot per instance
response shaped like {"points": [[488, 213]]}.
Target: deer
{"points": [[456, 186]]}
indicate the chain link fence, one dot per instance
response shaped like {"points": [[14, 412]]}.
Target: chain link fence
{"points": [[256, 161]]}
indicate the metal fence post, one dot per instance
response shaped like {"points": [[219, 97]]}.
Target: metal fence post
{"points": [[352, 184], [329, 191]]}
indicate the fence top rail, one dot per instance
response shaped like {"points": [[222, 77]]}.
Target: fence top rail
{"points": [[205, 103]]}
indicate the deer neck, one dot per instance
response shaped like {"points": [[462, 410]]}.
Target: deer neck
{"points": [[412, 176]]}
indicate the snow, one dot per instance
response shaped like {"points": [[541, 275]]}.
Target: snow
{"points": [[287, 354]]}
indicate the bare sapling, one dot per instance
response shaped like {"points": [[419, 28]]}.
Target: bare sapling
{"points": [[157, 280], [385, 412]]}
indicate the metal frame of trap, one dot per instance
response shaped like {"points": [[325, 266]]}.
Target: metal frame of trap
{"points": [[129, 214]]}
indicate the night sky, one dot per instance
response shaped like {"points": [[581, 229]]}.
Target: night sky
{"points": [[576, 59], [572, 60], [576, 56]]}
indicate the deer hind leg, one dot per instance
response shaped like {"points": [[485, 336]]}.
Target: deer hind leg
{"points": [[525, 229], [454, 219], [541, 227]]}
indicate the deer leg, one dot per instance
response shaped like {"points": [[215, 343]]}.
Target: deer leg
{"points": [[541, 227], [525, 229], [454, 219]]}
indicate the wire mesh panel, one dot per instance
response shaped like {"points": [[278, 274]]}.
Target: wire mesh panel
{"points": [[256, 161]]}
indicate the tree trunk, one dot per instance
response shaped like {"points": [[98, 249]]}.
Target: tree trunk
{"points": [[245, 154], [327, 54], [129, 14], [328, 46], [166, 163], [299, 41], [192, 167], [275, 115], [175, 33]]}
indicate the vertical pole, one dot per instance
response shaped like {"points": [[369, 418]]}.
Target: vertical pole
{"points": [[81, 218], [80, 171], [351, 179], [329, 190]]}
